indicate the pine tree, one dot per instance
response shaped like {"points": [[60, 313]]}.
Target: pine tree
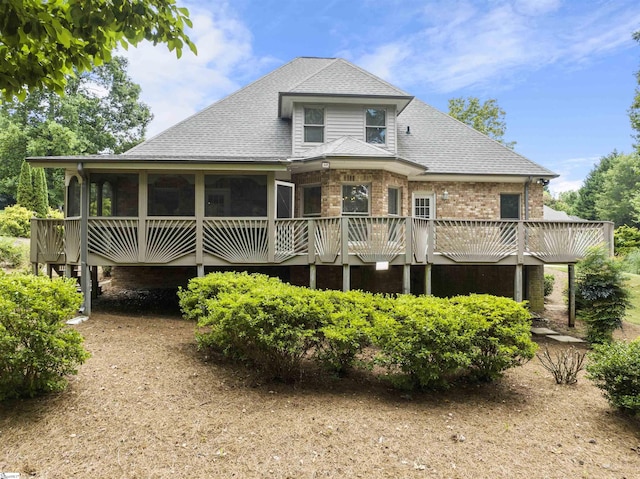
{"points": [[40, 193], [24, 195]]}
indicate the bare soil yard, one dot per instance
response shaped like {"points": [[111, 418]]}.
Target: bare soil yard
{"points": [[149, 405]]}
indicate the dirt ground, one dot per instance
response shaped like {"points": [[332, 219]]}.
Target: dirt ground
{"points": [[149, 405]]}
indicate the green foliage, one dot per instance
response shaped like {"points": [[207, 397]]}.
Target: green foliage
{"points": [[625, 239], [15, 221], [11, 254], [273, 327], [42, 42], [631, 262], [585, 205], [621, 183], [422, 341], [100, 112], [487, 118], [194, 300], [549, 282], [565, 200], [601, 295], [37, 350], [25, 194], [615, 368], [634, 110]]}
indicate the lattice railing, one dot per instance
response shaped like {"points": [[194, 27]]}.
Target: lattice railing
{"points": [[328, 238], [114, 238], [476, 241], [237, 240], [562, 242], [292, 239], [375, 239], [169, 239]]}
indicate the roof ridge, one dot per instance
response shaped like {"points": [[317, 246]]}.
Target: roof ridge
{"points": [[334, 60], [375, 77]]}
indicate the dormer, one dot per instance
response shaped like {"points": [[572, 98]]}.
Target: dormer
{"points": [[342, 100]]}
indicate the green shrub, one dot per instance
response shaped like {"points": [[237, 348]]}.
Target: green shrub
{"points": [[15, 221], [625, 239], [615, 368], [549, 282], [193, 300], [274, 327], [423, 342], [11, 254], [347, 328], [631, 262], [37, 349], [502, 334], [601, 295]]}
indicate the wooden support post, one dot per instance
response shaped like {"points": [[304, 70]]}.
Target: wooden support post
{"points": [[517, 284], [346, 277], [406, 279], [85, 275], [427, 279], [572, 295], [312, 276], [200, 270], [94, 282]]}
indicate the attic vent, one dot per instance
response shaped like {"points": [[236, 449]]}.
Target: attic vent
{"points": [[349, 178]]}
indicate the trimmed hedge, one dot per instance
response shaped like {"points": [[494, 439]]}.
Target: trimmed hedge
{"points": [[615, 368], [421, 342], [37, 349]]}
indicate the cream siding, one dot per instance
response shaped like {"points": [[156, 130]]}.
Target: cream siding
{"points": [[339, 121]]}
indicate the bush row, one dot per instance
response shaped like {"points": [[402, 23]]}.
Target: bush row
{"points": [[37, 349], [421, 342]]}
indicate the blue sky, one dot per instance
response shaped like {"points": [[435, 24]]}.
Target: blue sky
{"points": [[562, 70]]}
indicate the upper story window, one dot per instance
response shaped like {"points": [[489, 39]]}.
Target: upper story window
{"points": [[314, 125], [376, 125]]}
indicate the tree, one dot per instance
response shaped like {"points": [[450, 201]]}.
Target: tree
{"points": [[585, 205], [487, 118], [32, 190], [42, 42], [621, 183], [564, 202], [24, 195], [100, 112], [634, 110]]}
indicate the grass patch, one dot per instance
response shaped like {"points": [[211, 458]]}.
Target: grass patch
{"points": [[633, 313]]}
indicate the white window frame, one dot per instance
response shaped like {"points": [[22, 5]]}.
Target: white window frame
{"points": [[313, 125], [285, 184], [386, 124], [432, 204], [351, 213]]}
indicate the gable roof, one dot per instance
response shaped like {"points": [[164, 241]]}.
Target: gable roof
{"points": [[247, 125], [346, 146]]}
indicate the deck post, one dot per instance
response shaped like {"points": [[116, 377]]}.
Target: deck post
{"points": [[200, 270], [346, 277], [427, 279], [312, 276], [85, 275], [406, 279], [572, 295], [517, 284]]}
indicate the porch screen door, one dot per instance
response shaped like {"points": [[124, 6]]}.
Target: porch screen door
{"points": [[423, 204], [284, 199]]}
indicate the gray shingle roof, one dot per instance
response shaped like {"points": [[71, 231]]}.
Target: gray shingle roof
{"points": [[246, 125], [346, 146]]}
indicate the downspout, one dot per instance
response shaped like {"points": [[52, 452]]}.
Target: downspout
{"points": [[85, 276]]}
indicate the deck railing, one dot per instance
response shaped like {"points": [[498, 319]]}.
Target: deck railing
{"points": [[342, 240]]}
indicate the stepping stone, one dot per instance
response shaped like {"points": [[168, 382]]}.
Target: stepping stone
{"points": [[74, 321], [543, 331], [564, 339]]}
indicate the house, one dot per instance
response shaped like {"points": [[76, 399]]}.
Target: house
{"points": [[325, 175]]}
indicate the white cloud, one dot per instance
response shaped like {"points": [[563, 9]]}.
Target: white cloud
{"points": [[177, 88], [572, 172], [452, 45]]}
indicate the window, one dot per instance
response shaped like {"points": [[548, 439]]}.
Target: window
{"points": [[355, 199], [171, 195], [422, 205], [509, 206], [311, 200], [394, 195], [376, 125], [73, 198], [235, 195], [113, 194], [313, 125]]}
